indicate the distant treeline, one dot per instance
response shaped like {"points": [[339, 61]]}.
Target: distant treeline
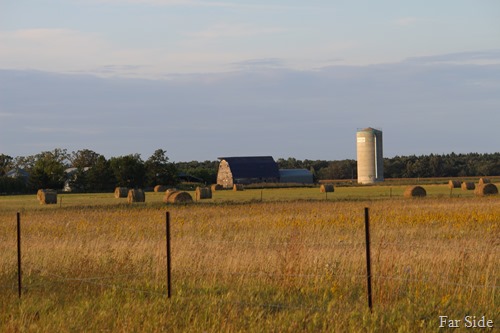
{"points": [[93, 172], [424, 166]]}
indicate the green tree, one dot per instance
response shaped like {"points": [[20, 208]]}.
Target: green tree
{"points": [[393, 167], [435, 166], [100, 176], [5, 164], [128, 170], [159, 171], [48, 170], [344, 169], [84, 158], [25, 162], [12, 185], [206, 170], [289, 163]]}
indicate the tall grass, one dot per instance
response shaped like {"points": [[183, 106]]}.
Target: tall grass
{"points": [[276, 265]]}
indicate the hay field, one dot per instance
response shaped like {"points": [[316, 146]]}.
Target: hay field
{"points": [[294, 262]]}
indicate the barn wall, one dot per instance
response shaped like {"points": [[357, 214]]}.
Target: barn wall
{"points": [[224, 175], [246, 181]]}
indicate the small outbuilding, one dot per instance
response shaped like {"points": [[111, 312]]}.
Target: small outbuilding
{"points": [[18, 173], [301, 176], [71, 177]]}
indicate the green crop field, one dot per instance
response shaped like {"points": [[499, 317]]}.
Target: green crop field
{"points": [[259, 260]]}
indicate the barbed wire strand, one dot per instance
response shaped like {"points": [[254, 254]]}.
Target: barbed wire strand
{"points": [[401, 245]]}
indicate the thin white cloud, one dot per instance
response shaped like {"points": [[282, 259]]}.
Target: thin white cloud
{"points": [[223, 30], [173, 3], [47, 46], [262, 63], [64, 50], [221, 4], [488, 57], [46, 36], [71, 51]]}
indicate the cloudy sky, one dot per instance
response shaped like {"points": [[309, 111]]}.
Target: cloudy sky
{"points": [[203, 79]]}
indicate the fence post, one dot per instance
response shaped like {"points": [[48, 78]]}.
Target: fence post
{"points": [[169, 257], [368, 259], [19, 280]]}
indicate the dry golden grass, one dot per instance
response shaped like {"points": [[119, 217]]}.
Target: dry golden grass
{"points": [[284, 266]]}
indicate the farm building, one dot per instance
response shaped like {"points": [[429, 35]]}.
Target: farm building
{"points": [[247, 170], [302, 176], [18, 173], [189, 178], [71, 176]]}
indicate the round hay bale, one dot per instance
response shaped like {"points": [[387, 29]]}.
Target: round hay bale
{"points": [[136, 195], [467, 186], [168, 193], [454, 184], [486, 189], [415, 191], [238, 187], [121, 192], [47, 197], [39, 194], [160, 188], [216, 187], [484, 181], [179, 197], [326, 188], [203, 193]]}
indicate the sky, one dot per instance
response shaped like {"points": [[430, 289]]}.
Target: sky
{"points": [[203, 79]]}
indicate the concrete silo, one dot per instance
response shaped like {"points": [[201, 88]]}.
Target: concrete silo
{"points": [[370, 158]]}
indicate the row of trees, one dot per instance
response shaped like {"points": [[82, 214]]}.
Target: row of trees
{"points": [[93, 172], [425, 166]]}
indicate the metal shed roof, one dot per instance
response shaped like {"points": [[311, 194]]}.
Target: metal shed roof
{"points": [[14, 173]]}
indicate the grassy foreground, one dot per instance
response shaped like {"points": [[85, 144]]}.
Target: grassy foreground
{"points": [[241, 265]]}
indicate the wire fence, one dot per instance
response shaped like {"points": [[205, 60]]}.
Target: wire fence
{"points": [[41, 281], [338, 244]]}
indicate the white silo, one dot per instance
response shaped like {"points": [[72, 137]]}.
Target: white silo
{"points": [[369, 153]]}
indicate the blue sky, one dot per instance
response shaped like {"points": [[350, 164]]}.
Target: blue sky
{"points": [[281, 78]]}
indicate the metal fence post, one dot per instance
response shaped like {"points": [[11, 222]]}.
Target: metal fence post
{"points": [[19, 280], [368, 259], [169, 257]]}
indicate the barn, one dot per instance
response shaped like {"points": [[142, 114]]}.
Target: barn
{"points": [[247, 170]]}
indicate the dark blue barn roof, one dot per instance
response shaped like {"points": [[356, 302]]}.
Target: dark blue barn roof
{"points": [[252, 167]]}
